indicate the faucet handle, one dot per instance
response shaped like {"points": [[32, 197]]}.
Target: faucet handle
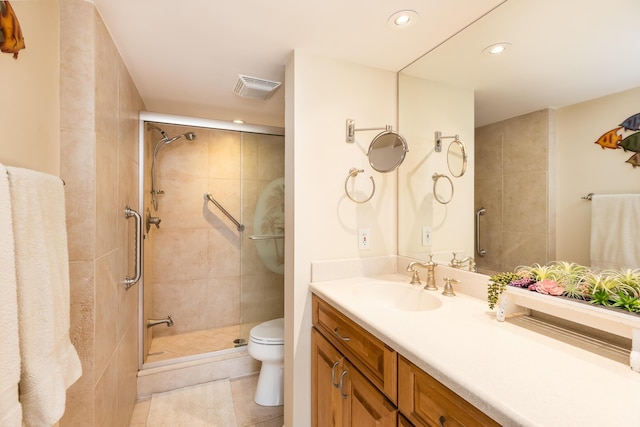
{"points": [[448, 288], [415, 277]]}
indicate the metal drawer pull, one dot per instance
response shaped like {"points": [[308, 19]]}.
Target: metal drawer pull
{"points": [[344, 396], [333, 375], [335, 331]]}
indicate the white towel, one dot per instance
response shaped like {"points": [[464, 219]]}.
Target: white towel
{"points": [[50, 363], [615, 231], [10, 409]]}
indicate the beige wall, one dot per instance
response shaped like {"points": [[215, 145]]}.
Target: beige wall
{"points": [[583, 167], [427, 107], [99, 161], [321, 222], [515, 184], [30, 91], [197, 269]]}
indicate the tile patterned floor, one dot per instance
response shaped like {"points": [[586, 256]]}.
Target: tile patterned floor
{"points": [[191, 343], [248, 413]]}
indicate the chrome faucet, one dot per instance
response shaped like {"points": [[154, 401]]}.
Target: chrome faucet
{"points": [[154, 322], [459, 263], [430, 267]]}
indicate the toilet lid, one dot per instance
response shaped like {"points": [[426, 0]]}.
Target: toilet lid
{"points": [[270, 332]]}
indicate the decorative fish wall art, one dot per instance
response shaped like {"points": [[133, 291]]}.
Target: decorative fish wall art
{"points": [[614, 140], [11, 39]]}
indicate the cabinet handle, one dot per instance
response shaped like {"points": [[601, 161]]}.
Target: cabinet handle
{"points": [[442, 420], [344, 396], [335, 331], [333, 375]]}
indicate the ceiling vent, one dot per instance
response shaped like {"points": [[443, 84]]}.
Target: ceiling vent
{"points": [[253, 87]]}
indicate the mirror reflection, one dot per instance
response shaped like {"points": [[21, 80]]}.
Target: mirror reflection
{"points": [[387, 151], [529, 120], [457, 158]]}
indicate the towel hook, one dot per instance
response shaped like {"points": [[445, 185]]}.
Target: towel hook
{"points": [[353, 172]]}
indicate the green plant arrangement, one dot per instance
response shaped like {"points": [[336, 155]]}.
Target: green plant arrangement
{"points": [[497, 285], [609, 288]]}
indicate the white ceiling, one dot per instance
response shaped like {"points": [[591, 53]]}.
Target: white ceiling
{"points": [[185, 57], [562, 52]]}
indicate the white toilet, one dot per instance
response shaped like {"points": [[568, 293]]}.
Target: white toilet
{"points": [[266, 343]]}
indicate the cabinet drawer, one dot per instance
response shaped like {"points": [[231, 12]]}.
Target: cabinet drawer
{"points": [[427, 402], [370, 355]]}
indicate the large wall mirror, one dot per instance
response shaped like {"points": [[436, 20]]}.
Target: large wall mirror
{"points": [[568, 75]]}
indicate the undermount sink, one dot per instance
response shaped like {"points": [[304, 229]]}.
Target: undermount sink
{"points": [[396, 296]]}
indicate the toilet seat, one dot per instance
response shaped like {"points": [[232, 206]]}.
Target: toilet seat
{"points": [[268, 333]]}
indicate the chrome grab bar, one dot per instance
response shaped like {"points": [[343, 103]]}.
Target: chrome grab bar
{"points": [[479, 250], [130, 281], [266, 237], [239, 226]]}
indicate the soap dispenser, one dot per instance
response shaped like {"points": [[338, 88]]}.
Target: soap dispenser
{"points": [[431, 278]]}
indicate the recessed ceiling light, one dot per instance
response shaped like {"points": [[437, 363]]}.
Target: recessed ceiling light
{"points": [[238, 121], [403, 19], [496, 49]]}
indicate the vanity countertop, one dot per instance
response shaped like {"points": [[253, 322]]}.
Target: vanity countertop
{"points": [[514, 374]]}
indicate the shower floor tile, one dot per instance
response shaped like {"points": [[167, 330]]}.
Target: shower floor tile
{"points": [[192, 343]]}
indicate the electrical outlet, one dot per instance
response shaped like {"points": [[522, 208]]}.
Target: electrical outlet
{"points": [[426, 236], [363, 238]]}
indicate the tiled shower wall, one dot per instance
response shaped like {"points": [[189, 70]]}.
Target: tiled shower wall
{"points": [[206, 273], [99, 107], [514, 183]]}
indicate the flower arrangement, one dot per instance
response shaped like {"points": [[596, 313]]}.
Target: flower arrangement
{"points": [[611, 288]]}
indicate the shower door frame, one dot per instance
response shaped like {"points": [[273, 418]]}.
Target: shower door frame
{"points": [[147, 116]]}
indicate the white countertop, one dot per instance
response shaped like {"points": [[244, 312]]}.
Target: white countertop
{"points": [[515, 375]]}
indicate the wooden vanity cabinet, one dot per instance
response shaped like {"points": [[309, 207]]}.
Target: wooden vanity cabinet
{"points": [[351, 373], [372, 357], [341, 395], [359, 381], [427, 402]]}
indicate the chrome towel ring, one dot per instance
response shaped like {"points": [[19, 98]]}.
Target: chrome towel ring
{"points": [[353, 172], [436, 177]]}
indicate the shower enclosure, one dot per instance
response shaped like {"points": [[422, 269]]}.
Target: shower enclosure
{"points": [[212, 200]]}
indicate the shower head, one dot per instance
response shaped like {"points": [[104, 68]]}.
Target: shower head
{"points": [[189, 136]]}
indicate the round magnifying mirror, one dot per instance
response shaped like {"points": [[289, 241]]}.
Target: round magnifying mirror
{"points": [[457, 158], [387, 151]]}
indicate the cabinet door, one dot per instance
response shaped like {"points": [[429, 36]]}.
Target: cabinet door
{"points": [[427, 402], [372, 357], [327, 366], [365, 405]]}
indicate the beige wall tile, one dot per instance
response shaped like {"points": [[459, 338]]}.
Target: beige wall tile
{"points": [[525, 203], [223, 254], [186, 301], [127, 358], [224, 154], [182, 206], [106, 396], [526, 140], [106, 310], [180, 254], [81, 278], [223, 301]]}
